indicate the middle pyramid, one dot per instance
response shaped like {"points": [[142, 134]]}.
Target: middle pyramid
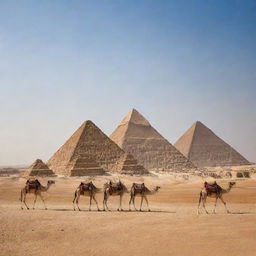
{"points": [[135, 135]]}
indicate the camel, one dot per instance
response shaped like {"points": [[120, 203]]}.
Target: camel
{"points": [[114, 189], [86, 189], [142, 191], [213, 191], [36, 188]]}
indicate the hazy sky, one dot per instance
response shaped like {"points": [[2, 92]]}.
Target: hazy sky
{"points": [[63, 62]]}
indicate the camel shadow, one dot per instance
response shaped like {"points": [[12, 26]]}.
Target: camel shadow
{"points": [[95, 210], [72, 210], [240, 213], [151, 211], [57, 209]]}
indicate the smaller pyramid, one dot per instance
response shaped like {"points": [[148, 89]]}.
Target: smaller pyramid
{"points": [[205, 149], [86, 166], [39, 168], [127, 164]]}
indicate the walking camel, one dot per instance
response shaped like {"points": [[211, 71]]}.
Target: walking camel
{"points": [[213, 191], [36, 188], [114, 189], [142, 191], [86, 189]]}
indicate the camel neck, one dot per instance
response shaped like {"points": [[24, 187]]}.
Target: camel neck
{"points": [[227, 190], [45, 188], [154, 190]]}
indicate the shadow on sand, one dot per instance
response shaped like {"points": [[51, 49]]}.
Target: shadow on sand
{"points": [[240, 213], [72, 210]]}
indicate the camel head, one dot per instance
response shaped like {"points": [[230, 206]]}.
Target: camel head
{"points": [[157, 188], [231, 184]]}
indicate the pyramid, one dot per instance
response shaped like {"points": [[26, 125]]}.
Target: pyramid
{"points": [[201, 146], [39, 168], [87, 152], [127, 164], [135, 135], [85, 165]]}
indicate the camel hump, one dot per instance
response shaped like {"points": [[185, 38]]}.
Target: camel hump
{"points": [[212, 187], [33, 184], [140, 187]]}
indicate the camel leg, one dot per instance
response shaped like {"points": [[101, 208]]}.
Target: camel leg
{"points": [[120, 203], [43, 201], [199, 202], [77, 201], [93, 197], [34, 201], [147, 203], [133, 200], [204, 201], [214, 210], [142, 197], [103, 204], [74, 201], [224, 204], [105, 200], [130, 202], [90, 202], [21, 199], [24, 200]]}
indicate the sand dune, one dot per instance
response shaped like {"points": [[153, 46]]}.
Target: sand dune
{"points": [[171, 228]]}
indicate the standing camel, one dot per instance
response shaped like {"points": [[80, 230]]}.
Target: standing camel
{"points": [[86, 189], [114, 189], [36, 188], [142, 191], [213, 191]]}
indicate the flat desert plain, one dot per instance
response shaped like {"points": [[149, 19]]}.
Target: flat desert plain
{"points": [[171, 228]]}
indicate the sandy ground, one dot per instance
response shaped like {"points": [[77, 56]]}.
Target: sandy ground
{"points": [[171, 228]]}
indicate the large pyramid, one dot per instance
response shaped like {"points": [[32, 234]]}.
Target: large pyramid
{"points": [[202, 147], [39, 168], [127, 164], [87, 152], [135, 135]]}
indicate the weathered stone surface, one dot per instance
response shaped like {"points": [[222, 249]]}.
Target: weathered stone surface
{"points": [[87, 152], [135, 135], [127, 164], [39, 168], [202, 147], [86, 166]]}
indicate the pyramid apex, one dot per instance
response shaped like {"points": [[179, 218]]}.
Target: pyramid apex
{"points": [[87, 122], [134, 110], [198, 123], [135, 117]]}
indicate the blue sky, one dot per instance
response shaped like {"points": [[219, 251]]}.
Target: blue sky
{"points": [[63, 62]]}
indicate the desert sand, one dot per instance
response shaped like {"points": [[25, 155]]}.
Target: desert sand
{"points": [[171, 228]]}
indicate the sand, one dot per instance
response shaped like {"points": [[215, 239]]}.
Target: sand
{"points": [[171, 228]]}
